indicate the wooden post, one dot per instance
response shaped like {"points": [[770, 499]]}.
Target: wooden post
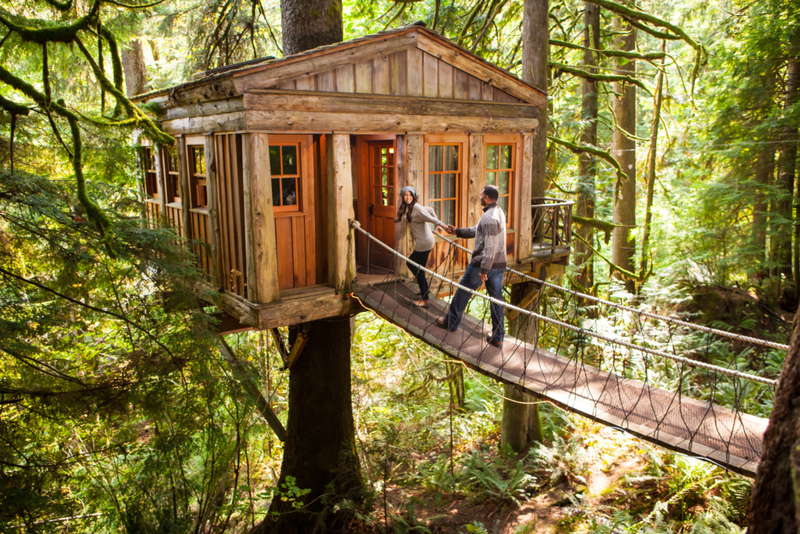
{"points": [[186, 192], [477, 179], [341, 246], [213, 211], [259, 220], [412, 157], [161, 180], [524, 231]]}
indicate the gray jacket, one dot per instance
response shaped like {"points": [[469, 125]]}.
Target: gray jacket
{"points": [[421, 218], [490, 239]]}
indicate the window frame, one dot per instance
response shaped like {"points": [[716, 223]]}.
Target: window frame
{"points": [[462, 141], [515, 141], [282, 141], [197, 181], [150, 188], [172, 188]]}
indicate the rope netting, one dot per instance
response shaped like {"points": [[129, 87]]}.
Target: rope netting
{"points": [[654, 380]]}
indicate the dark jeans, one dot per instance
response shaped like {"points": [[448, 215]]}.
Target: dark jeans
{"points": [[420, 257], [472, 280]]}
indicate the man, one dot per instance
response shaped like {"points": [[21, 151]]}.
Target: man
{"points": [[487, 266]]}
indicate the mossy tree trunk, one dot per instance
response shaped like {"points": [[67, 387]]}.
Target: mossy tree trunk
{"points": [[774, 505], [319, 454]]}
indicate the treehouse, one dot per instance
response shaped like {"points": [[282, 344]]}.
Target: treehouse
{"points": [[275, 158]]}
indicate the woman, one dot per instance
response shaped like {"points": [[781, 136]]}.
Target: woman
{"points": [[418, 218]]}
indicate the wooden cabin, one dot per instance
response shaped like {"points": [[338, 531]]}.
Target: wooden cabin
{"points": [[275, 157]]}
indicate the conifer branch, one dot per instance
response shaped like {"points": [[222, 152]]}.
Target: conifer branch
{"points": [[57, 34]]}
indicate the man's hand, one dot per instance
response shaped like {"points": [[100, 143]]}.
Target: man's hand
{"points": [[484, 277], [450, 229]]}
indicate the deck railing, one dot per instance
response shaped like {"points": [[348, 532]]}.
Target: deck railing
{"points": [[551, 224]]}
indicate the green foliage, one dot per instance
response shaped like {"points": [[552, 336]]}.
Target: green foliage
{"points": [[494, 481]]}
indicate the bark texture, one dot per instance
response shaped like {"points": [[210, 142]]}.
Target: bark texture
{"points": [[521, 426], [535, 55], [134, 68], [623, 248], [320, 449], [587, 168], [774, 503], [308, 24]]}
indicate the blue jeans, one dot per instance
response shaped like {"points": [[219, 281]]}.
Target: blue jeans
{"points": [[472, 280]]}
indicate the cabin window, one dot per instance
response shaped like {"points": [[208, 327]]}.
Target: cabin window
{"points": [[500, 172], [383, 170], [150, 172], [444, 177], [197, 176], [171, 174], [284, 165]]}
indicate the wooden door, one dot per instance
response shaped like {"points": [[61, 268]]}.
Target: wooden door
{"points": [[292, 176], [378, 194]]}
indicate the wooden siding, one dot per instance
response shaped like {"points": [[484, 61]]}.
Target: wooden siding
{"points": [[230, 209], [200, 230], [410, 72]]}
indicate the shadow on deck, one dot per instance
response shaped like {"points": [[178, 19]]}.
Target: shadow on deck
{"points": [[722, 436]]}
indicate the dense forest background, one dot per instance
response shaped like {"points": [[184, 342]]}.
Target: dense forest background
{"points": [[117, 410]]}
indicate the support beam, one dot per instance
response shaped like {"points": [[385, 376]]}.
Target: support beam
{"points": [[297, 347], [341, 245], [186, 192], [213, 212], [524, 232], [261, 245], [245, 379]]}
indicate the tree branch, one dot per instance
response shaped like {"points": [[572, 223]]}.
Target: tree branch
{"points": [[650, 56], [599, 77], [58, 34], [602, 154]]}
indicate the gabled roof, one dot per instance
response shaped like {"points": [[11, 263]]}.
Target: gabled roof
{"points": [[407, 61]]}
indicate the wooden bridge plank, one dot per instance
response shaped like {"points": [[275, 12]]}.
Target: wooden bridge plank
{"points": [[730, 439]]}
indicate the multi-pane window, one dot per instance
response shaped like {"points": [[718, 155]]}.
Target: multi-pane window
{"points": [[444, 175], [285, 169], [197, 176], [499, 172], [383, 173], [171, 174], [150, 172]]}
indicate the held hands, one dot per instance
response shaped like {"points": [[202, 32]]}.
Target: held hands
{"points": [[450, 229]]}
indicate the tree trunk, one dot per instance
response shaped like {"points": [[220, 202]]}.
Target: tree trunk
{"points": [[308, 24], [623, 248], [521, 427], [651, 172], [774, 502], [134, 68], [535, 55], [765, 168], [587, 165], [320, 449]]}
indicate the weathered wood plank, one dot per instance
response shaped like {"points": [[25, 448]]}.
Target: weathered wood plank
{"points": [[474, 88], [346, 79], [314, 122], [285, 244], [213, 211], [263, 245], [191, 93], [243, 215], [445, 80], [414, 71], [524, 199], [306, 83], [487, 92], [203, 109], [241, 230], [476, 180], [295, 66], [288, 85], [377, 104], [292, 312], [398, 74], [326, 81], [341, 252], [364, 77], [502, 96], [460, 84], [482, 70], [228, 122], [430, 76], [381, 80], [186, 197]]}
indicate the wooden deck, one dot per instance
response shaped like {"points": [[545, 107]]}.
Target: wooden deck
{"points": [[713, 433]]}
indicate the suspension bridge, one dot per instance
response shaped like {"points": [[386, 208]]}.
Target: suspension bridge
{"points": [[646, 391]]}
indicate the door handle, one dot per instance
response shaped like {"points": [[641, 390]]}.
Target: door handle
{"points": [[370, 209]]}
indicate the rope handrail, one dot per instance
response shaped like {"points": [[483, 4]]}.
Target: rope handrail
{"points": [[581, 331], [678, 322], [551, 202]]}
